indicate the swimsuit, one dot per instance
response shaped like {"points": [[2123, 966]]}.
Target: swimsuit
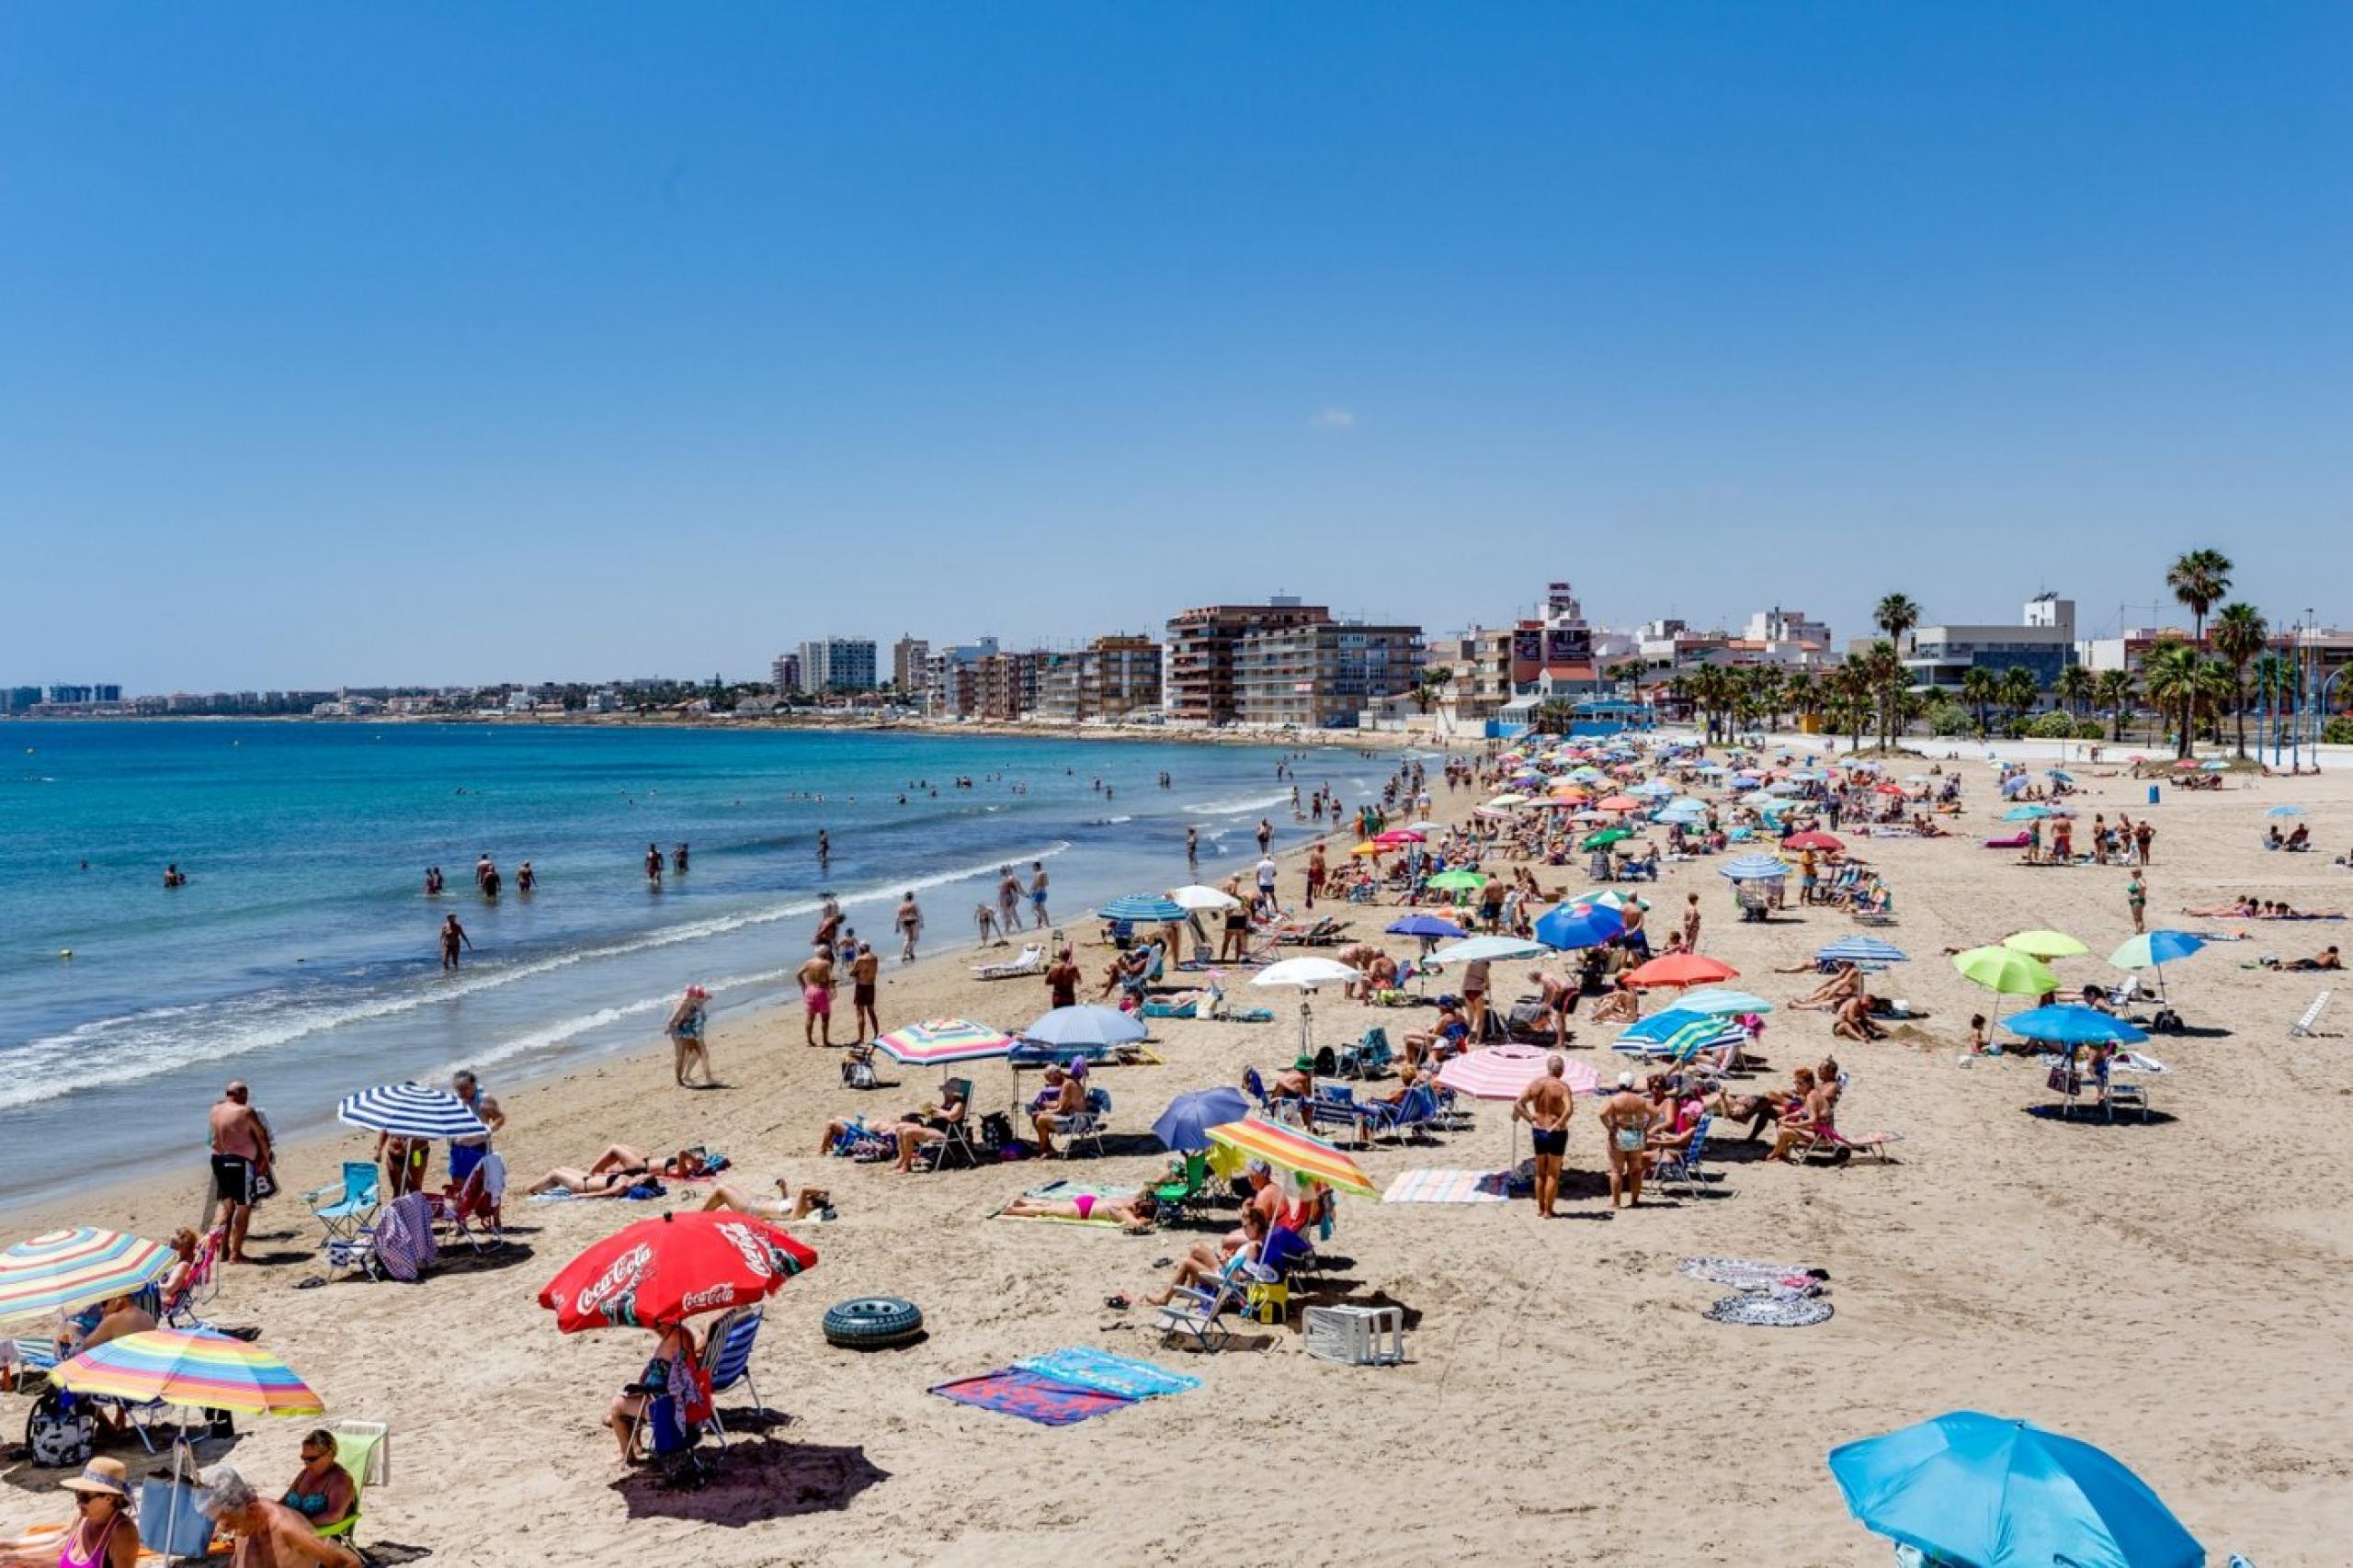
{"points": [[1084, 1203], [1552, 1141], [1629, 1139], [68, 1558], [233, 1175], [818, 1000]]}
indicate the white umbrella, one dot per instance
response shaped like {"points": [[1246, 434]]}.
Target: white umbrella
{"points": [[1490, 947], [1195, 897], [1306, 974]]}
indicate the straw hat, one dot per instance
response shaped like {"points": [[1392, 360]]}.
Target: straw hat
{"points": [[104, 1477]]}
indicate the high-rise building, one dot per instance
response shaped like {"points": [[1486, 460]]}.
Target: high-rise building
{"points": [[951, 678], [1197, 674], [910, 664], [1007, 683], [785, 675], [1109, 678], [837, 664], [1322, 674], [20, 699]]}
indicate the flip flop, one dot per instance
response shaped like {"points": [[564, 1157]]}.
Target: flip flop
{"points": [[1117, 1303]]}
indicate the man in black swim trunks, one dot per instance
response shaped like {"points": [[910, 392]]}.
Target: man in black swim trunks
{"points": [[1546, 1105], [240, 1157]]}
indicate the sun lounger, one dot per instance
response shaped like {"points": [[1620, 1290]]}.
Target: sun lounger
{"points": [[1032, 961], [2308, 1027]]}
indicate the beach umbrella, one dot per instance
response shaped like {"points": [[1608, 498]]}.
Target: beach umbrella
{"points": [[1725, 1001], [1970, 1488], [2044, 944], [1605, 898], [1660, 1026], [411, 1110], [63, 1271], [2005, 972], [1618, 803], [2072, 1023], [1185, 1125], [940, 1042], [1490, 948], [2153, 948], [2060, 774], [1454, 881], [1763, 800], [1653, 789], [1367, 847], [2013, 784], [1427, 827], [1816, 840], [1428, 926], [1682, 969], [1755, 869], [198, 1368], [2185, 764], [1605, 837], [1687, 805], [1861, 949], [1579, 926], [2030, 811], [1194, 896], [1501, 1072], [1888, 788], [667, 1270], [1700, 1032], [1156, 909], [2285, 811], [1288, 1149], [1085, 1026], [1307, 973], [1397, 837]]}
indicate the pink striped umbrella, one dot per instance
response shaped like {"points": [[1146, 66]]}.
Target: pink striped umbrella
{"points": [[1501, 1072]]}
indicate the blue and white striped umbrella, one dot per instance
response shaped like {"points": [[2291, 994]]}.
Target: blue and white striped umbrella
{"points": [[1145, 906], [1862, 949], [411, 1110], [1756, 869]]}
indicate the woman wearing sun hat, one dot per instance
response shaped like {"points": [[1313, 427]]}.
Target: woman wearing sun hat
{"points": [[103, 1534]]}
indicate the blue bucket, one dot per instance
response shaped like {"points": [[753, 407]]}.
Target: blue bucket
{"points": [[2153, 794]]}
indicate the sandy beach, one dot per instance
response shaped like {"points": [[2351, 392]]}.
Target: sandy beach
{"points": [[2163, 1290]]}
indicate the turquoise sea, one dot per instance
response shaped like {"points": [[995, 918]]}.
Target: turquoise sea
{"points": [[301, 954]]}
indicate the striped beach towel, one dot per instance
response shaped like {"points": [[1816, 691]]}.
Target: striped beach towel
{"points": [[1446, 1187]]}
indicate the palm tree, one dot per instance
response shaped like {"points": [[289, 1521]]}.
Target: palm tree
{"points": [[2113, 690], [2197, 578], [2169, 670], [1851, 685], [2074, 688], [1429, 686], [2239, 636], [2019, 689], [1981, 689], [2275, 685], [1882, 669], [1895, 615], [1801, 693]]}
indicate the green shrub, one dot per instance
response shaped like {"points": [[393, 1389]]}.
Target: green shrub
{"points": [[1951, 719], [2052, 726], [2340, 731]]}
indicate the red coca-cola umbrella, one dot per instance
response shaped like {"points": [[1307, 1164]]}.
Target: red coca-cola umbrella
{"points": [[1813, 841], [665, 1270]]}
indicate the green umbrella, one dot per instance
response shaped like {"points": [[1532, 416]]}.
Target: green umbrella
{"points": [[2045, 945], [1605, 838], [2006, 972], [1450, 881]]}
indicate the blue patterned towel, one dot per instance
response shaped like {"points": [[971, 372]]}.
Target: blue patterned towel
{"points": [[1122, 1375]]}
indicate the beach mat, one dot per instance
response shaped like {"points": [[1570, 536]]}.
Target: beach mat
{"points": [[1082, 1366], [1031, 1397], [1771, 1311], [1740, 1273], [1447, 1187]]}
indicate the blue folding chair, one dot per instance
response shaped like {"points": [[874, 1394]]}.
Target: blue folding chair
{"points": [[356, 1200], [728, 1349]]}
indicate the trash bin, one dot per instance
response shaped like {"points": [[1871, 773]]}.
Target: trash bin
{"points": [[2153, 794]]}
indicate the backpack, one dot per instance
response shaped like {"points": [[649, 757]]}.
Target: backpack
{"points": [[59, 1432]]}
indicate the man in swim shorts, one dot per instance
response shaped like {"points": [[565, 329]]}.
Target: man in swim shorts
{"points": [[240, 1157], [1546, 1105], [816, 978]]}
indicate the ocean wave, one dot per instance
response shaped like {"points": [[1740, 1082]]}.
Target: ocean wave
{"points": [[132, 1047], [1235, 808]]}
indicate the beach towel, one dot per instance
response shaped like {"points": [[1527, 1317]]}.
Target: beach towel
{"points": [[1446, 1187], [1741, 1273], [1126, 1376], [1771, 1311], [1031, 1397]]}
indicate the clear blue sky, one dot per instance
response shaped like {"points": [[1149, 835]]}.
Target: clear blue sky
{"points": [[444, 343]]}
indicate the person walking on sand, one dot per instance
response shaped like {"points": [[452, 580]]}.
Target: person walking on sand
{"points": [[816, 978], [688, 1021], [1691, 923], [1546, 1105], [2144, 834], [240, 1158], [985, 919], [1626, 1118], [863, 969], [1317, 872], [910, 924], [1038, 894], [452, 934], [1008, 900], [2136, 899]]}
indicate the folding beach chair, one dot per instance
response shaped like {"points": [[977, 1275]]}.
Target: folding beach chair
{"points": [[474, 1202], [1182, 1193], [199, 1286], [1089, 1123], [364, 1449], [356, 1201], [2308, 1027], [955, 1144], [727, 1358], [1679, 1168]]}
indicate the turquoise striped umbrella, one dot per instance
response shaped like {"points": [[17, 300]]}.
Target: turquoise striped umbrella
{"points": [[61, 1271]]}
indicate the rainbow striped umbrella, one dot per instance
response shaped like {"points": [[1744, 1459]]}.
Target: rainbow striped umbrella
{"points": [[61, 1271], [1288, 1149], [212, 1371], [938, 1043]]}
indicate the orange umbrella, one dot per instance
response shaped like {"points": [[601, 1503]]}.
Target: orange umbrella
{"points": [[1682, 969], [1618, 803]]}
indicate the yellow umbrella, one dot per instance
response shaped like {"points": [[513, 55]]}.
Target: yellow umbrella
{"points": [[1288, 1149], [2005, 972], [1367, 848]]}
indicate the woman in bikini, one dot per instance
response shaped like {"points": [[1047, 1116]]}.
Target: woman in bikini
{"points": [[1133, 1214], [321, 1491], [1627, 1118], [783, 1206]]}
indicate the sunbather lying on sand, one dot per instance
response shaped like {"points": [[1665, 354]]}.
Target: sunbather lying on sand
{"points": [[1133, 1214], [783, 1206], [617, 1170], [1828, 997], [2328, 960]]}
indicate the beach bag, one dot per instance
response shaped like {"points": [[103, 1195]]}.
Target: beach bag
{"points": [[59, 1432], [996, 1131], [2063, 1082]]}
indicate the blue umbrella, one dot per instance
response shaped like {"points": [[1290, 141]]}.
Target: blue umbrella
{"points": [[1579, 926], [1756, 869], [1721, 999], [1861, 949], [1145, 906], [2061, 775], [2069, 1022], [2015, 783], [1423, 925], [1185, 1125], [1082, 1026], [2155, 949], [1971, 1488], [2285, 811], [1663, 1026], [2028, 812]]}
